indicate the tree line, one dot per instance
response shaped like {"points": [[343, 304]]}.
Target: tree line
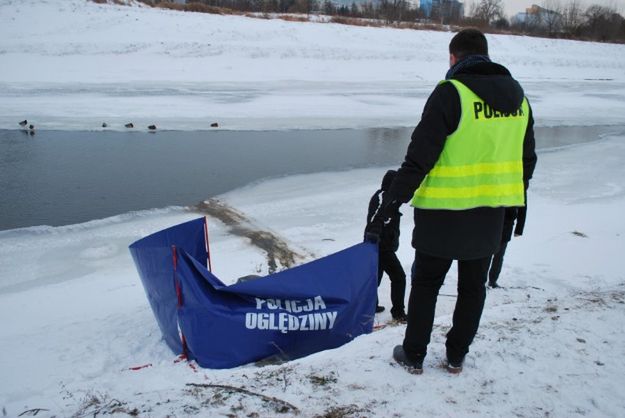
{"points": [[549, 18], [554, 18]]}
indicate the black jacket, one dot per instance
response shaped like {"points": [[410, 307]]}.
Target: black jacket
{"points": [[389, 239], [459, 234]]}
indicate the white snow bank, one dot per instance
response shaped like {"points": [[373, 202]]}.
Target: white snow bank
{"points": [[76, 64], [549, 343]]}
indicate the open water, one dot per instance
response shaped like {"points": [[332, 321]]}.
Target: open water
{"points": [[66, 177]]}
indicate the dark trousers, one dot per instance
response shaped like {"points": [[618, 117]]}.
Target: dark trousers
{"points": [[428, 274], [389, 263], [495, 267]]}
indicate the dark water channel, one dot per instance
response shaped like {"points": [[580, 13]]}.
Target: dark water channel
{"points": [[65, 177]]}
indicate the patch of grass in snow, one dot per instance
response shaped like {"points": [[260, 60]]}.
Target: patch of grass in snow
{"points": [[322, 380], [345, 411], [94, 404], [240, 398]]}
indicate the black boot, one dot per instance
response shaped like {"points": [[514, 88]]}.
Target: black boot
{"points": [[412, 366], [399, 315]]}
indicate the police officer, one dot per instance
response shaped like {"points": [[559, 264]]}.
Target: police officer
{"points": [[471, 156]]}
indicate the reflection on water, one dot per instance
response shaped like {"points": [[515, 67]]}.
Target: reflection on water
{"points": [[57, 177], [560, 136]]}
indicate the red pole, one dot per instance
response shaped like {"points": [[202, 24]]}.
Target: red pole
{"points": [[174, 258], [183, 340]]}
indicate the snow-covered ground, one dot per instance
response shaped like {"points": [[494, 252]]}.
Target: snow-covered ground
{"points": [[75, 320], [73, 64], [550, 344]]}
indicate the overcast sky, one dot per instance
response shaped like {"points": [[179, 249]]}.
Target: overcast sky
{"points": [[512, 7]]}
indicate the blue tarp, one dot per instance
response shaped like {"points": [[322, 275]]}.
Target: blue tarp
{"points": [[313, 307]]}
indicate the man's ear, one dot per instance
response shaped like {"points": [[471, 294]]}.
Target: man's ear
{"points": [[452, 60]]}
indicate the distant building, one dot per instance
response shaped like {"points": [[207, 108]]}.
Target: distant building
{"points": [[537, 16], [442, 9], [426, 7]]}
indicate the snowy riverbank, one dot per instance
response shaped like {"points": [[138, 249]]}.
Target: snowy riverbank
{"points": [[76, 318], [76, 64], [77, 327]]}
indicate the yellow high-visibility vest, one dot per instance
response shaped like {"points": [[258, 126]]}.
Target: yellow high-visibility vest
{"points": [[482, 161]]}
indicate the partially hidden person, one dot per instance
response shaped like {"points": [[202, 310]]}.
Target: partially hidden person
{"points": [[388, 244], [512, 215]]}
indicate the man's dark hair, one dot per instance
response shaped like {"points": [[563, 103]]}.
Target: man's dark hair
{"points": [[468, 42]]}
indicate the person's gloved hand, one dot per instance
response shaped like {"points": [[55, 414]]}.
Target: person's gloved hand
{"points": [[374, 229]]}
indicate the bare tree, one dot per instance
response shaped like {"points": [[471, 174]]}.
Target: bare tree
{"points": [[354, 10], [446, 11], [486, 11], [572, 18], [393, 10], [603, 23], [550, 16], [501, 23]]}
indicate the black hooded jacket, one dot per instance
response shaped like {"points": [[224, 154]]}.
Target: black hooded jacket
{"points": [[389, 240], [459, 234]]}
